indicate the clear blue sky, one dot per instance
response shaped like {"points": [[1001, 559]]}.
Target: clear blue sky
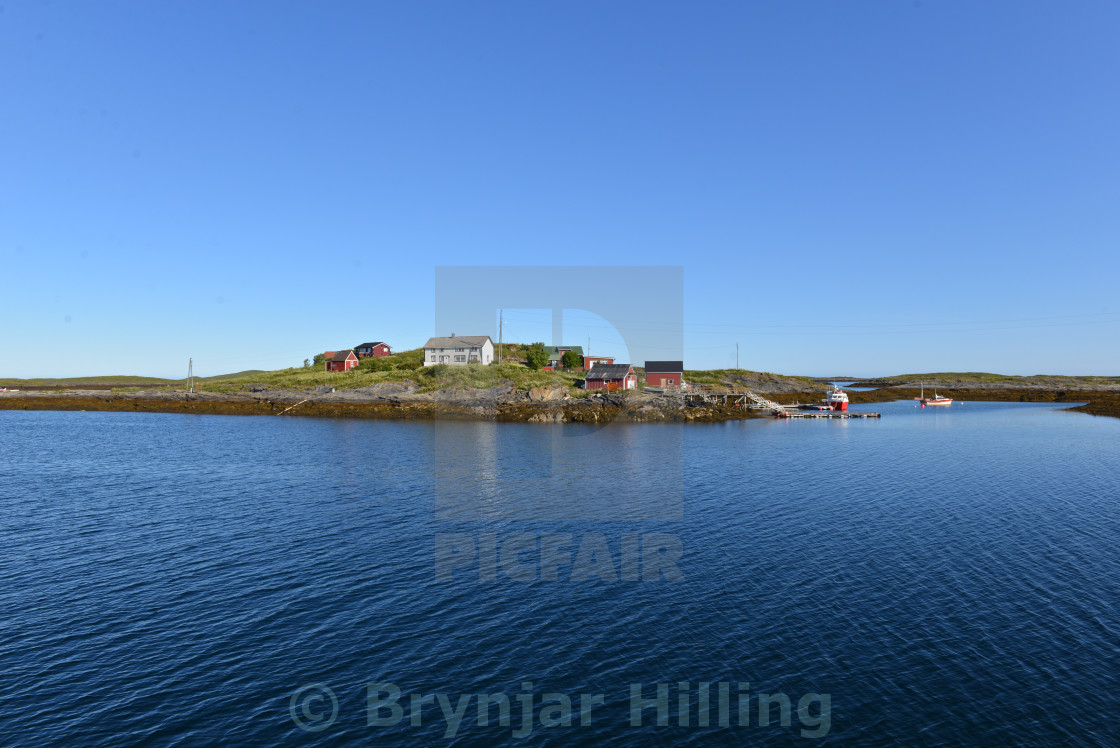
{"points": [[851, 187]]}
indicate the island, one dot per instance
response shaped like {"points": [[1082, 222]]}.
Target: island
{"points": [[399, 386]]}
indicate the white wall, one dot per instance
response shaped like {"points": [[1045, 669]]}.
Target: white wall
{"points": [[485, 354]]}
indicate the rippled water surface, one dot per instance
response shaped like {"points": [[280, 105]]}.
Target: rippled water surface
{"points": [[945, 577]]}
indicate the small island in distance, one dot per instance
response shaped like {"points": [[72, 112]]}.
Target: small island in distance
{"points": [[400, 387]]}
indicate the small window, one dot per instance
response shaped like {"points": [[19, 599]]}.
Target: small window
{"points": [[460, 359]]}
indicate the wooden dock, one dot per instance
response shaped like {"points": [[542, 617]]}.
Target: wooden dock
{"points": [[827, 414]]}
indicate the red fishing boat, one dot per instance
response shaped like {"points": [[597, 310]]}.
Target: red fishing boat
{"points": [[836, 399]]}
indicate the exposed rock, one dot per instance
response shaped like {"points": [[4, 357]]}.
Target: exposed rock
{"points": [[547, 394], [502, 403]]}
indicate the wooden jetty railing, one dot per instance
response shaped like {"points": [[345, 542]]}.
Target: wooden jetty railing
{"points": [[741, 398]]}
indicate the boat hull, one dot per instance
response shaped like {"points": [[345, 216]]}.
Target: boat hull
{"points": [[836, 399]]}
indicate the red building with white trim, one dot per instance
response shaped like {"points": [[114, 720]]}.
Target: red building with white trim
{"points": [[589, 361], [341, 360], [365, 350], [611, 377]]}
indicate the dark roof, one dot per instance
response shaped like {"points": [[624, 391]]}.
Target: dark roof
{"points": [[664, 367], [608, 371], [373, 345], [342, 355], [459, 341]]}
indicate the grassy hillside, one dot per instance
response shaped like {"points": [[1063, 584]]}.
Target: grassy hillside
{"points": [[408, 366], [747, 378], [963, 376], [108, 379], [122, 379], [966, 378], [405, 366], [223, 377]]}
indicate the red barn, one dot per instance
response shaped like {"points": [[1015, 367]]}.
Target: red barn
{"points": [[365, 350], [589, 361], [611, 377], [341, 360], [664, 373]]}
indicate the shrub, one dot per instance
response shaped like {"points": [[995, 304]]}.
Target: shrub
{"points": [[376, 363], [536, 356]]}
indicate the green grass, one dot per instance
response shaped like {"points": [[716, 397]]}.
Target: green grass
{"points": [[406, 366], [970, 376], [983, 377], [223, 377], [720, 377], [108, 379]]}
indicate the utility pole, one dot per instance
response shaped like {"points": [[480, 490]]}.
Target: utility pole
{"points": [[588, 345], [736, 355], [501, 324], [190, 376]]}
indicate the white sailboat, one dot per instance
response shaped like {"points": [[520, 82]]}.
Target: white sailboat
{"points": [[935, 400]]}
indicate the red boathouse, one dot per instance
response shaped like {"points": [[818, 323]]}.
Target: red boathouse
{"points": [[341, 360], [664, 373], [611, 377]]}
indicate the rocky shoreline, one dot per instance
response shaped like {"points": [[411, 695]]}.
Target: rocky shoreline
{"points": [[397, 401], [1099, 402], [404, 401], [991, 383]]}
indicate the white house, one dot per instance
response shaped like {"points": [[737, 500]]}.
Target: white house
{"points": [[459, 349]]}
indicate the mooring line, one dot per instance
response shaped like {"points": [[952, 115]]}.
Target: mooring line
{"points": [[301, 402]]}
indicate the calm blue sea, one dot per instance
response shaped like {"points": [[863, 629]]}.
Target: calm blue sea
{"points": [[935, 578]]}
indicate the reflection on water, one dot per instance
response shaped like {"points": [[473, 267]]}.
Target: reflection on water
{"points": [[948, 576], [621, 472]]}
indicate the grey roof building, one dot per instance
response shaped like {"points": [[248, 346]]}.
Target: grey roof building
{"points": [[459, 349]]}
